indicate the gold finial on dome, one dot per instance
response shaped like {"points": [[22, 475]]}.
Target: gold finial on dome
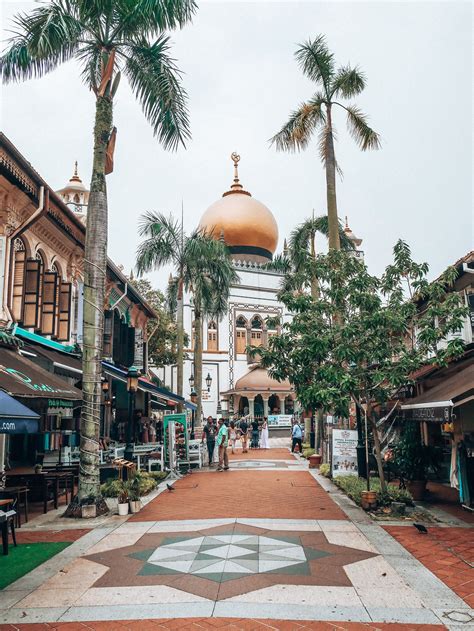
{"points": [[75, 177], [236, 187]]}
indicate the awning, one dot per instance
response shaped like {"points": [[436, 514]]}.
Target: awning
{"points": [[190, 406], [437, 403], [144, 384], [16, 418], [19, 376], [65, 361]]}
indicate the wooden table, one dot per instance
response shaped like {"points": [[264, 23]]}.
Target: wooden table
{"points": [[17, 492]]}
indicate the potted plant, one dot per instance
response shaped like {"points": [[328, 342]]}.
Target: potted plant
{"points": [[134, 494], [412, 461], [123, 501], [314, 461]]}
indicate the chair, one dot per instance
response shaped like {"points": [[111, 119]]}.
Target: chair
{"points": [[7, 518]]}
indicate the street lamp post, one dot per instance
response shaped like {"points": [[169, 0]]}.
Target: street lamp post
{"points": [[208, 381], [193, 398], [133, 375]]}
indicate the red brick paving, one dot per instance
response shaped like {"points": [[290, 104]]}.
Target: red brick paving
{"points": [[224, 624], [251, 494], [447, 499], [262, 454], [33, 536], [442, 551]]}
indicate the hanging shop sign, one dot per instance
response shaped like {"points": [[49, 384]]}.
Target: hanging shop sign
{"points": [[344, 452], [433, 414], [18, 426], [138, 358]]}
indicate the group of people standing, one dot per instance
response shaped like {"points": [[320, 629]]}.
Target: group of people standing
{"points": [[226, 433]]}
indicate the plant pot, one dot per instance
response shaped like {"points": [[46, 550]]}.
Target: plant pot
{"points": [[123, 509], [368, 500], [135, 506], [88, 511], [314, 461], [417, 489]]}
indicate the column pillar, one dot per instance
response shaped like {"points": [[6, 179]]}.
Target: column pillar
{"points": [[251, 407], [265, 406], [282, 405]]}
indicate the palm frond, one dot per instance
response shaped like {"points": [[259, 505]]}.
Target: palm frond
{"points": [[316, 61], [172, 295], [280, 263], [324, 139], [156, 81], [296, 133], [151, 17], [42, 40], [348, 82], [364, 136], [163, 243]]}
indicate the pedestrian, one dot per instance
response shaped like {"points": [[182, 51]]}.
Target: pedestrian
{"points": [[209, 432], [222, 442], [297, 436], [232, 436], [255, 434], [265, 444], [244, 434]]}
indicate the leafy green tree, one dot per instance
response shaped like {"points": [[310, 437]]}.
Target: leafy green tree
{"points": [[108, 38], [317, 63], [387, 327], [202, 266], [161, 331]]}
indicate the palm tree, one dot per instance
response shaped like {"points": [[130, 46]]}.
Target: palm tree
{"points": [[298, 256], [317, 63], [202, 266], [108, 38]]}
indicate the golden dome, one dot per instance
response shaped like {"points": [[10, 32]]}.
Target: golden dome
{"points": [[247, 226]]}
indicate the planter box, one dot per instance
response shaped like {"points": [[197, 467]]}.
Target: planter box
{"points": [[368, 500], [417, 489], [314, 461], [135, 506], [88, 511], [123, 509]]}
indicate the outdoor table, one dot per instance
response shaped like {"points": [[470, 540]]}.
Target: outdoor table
{"points": [[60, 476], [35, 482], [17, 492]]}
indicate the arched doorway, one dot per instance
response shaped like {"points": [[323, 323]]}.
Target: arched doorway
{"points": [[258, 406], [243, 406], [274, 404], [289, 405]]}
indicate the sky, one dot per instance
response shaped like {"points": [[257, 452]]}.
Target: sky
{"points": [[243, 81]]}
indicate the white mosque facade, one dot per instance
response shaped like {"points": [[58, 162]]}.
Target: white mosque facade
{"points": [[232, 380]]}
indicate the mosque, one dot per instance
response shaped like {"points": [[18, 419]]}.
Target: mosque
{"points": [[233, 381]]}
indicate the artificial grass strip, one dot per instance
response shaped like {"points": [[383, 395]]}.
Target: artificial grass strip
{"points": [[25, 557]]}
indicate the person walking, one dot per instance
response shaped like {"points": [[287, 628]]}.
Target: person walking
{"points": [[232, 436], [264, 442], [255, 434], [222, 442], [297, 437], [209, 432], [244, 434]]}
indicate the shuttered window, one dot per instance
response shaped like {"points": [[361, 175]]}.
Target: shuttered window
{"points": [[240, 341], [64, 312], [18, 279], [212, 343], [130, 346], [48, 307], [31, 292]]}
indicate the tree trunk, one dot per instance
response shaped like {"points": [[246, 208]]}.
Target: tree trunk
{"points": [[314, 279], [378, 451], [334, 242], [198, 360], [180, 341], [95, 266]]}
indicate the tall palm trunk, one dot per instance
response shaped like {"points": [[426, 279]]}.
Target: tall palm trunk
{"points": [[198, 360], [180, 340], [314, 278], [95, 266], [334, 242]]}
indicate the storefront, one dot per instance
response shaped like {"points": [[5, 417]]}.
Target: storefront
{"points": [[446, 413], [56, 403]]}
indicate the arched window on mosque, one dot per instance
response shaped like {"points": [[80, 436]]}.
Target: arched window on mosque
{"points": [[256, 331], [240, 335], [19, 258], [212, 339]]}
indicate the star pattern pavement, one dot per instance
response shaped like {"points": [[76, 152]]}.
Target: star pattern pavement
{"points": [[228, 560]]}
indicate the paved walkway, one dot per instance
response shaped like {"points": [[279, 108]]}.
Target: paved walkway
{"points": [[244, 549]]}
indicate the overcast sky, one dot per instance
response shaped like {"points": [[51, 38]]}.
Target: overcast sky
{"points": [[243, 81]]}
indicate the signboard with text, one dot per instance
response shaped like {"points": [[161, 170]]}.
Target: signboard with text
{"points": [[279, 420], [344, 452]]}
